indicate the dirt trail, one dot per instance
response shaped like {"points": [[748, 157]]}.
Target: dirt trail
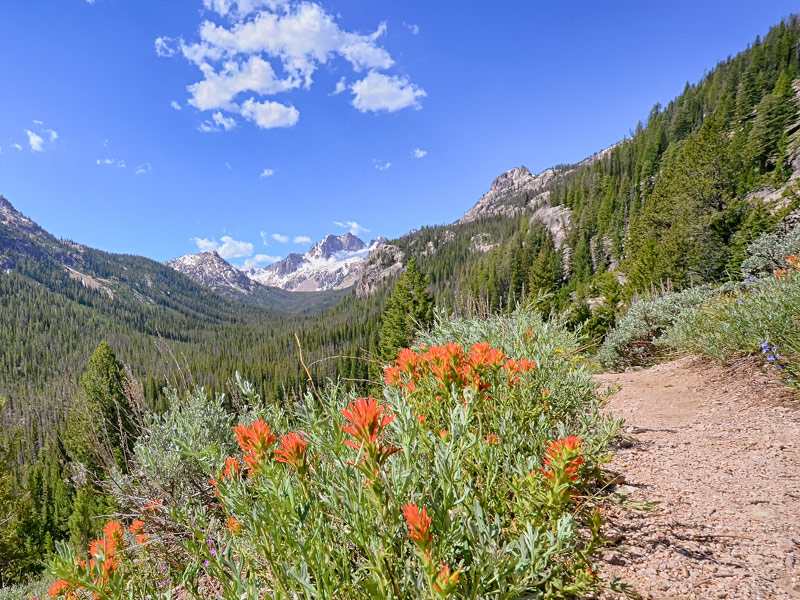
{"points": [[719, 451]]}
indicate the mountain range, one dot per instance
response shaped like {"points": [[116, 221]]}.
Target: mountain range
{"points": [[333, 263]]}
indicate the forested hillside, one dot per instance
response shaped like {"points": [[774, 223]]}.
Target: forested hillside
{"points": [[676, 203]]}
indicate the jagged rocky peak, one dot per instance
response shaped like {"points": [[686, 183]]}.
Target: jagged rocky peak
{"points": [[211, 270], [11, 216], [510, 179], [504, 190], [333, 244]]}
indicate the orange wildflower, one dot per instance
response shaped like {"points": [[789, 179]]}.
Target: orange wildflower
{"points": [[137, 526], [419, 526], [255, 440], [141, 538], [446, 580], [292, 451], [559, 451], [491, 439], [367, 421], [234, 526], [62, 587]]}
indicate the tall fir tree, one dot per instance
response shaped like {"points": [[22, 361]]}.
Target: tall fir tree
{"points": [[409, 308]]}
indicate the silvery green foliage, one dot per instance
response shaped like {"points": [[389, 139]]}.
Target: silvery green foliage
{"points": [[768, 253], [634, 342], [179, 447], [764, 311]]}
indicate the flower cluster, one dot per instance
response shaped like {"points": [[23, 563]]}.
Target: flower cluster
{"points": [[367, 419], [451, 365], [96, 574], [563, 455], [292, 451], [255, 440]]}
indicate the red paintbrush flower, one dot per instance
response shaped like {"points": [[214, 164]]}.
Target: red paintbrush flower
{"points": [[292, 451], [419, 526], [367, 420], [255, 440]]}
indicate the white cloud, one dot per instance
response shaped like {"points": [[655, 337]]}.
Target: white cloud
{"points": [[205, 245], [378, 92], [265, 47], [417, 153], [37, 122], [229, 248], [175, 105], [270, 114], [35, 141], [114, 162], [301, 239], [52, 134], [143, 169], [217, 90], [381, 165], [90, 1], [263, 235], [164, 48], [266, 173], [16, 146], [414, 29], [227, 123], [228, 165], [352, 226], [341, 86], [280, 238], [259, 259]]}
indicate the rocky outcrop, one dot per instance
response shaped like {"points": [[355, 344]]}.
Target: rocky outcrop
{"points": [[385, 263], [557, 220]]}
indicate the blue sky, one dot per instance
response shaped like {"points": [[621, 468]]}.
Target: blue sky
{"points": [[435, 99]]}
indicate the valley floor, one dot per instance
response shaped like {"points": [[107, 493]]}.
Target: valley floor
{"points": [[711, 484]]}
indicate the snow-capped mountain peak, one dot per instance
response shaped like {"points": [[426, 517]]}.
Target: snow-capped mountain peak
{"points": [[333, 263], [213, 271]]}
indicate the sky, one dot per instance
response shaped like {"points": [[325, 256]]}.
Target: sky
{"points": [[256, 127]]}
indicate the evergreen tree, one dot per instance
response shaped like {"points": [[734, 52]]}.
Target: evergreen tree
{"points": [[409, 308]]}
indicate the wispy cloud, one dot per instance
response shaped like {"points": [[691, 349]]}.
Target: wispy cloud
{"points": [[301, 239], [264, 237], [341, 86], [266, 173], [381, 165], [280, 238], [352, 226], [113, 162], [414, 29], [164, 47], [143, 169], [175, 105], [417, 153], [16, 146], [34, 141]]}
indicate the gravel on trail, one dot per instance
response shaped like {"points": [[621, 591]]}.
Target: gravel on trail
{"points": [[709, 491]]}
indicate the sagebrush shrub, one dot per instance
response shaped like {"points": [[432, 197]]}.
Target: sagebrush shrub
{"points": [[470, 478]]}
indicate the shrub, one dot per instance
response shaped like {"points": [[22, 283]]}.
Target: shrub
{"points": [[768, 253], [634, 342], [765, 315], [474, 482]]}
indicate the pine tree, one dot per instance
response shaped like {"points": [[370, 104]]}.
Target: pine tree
{"points": [[409, 308]]}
